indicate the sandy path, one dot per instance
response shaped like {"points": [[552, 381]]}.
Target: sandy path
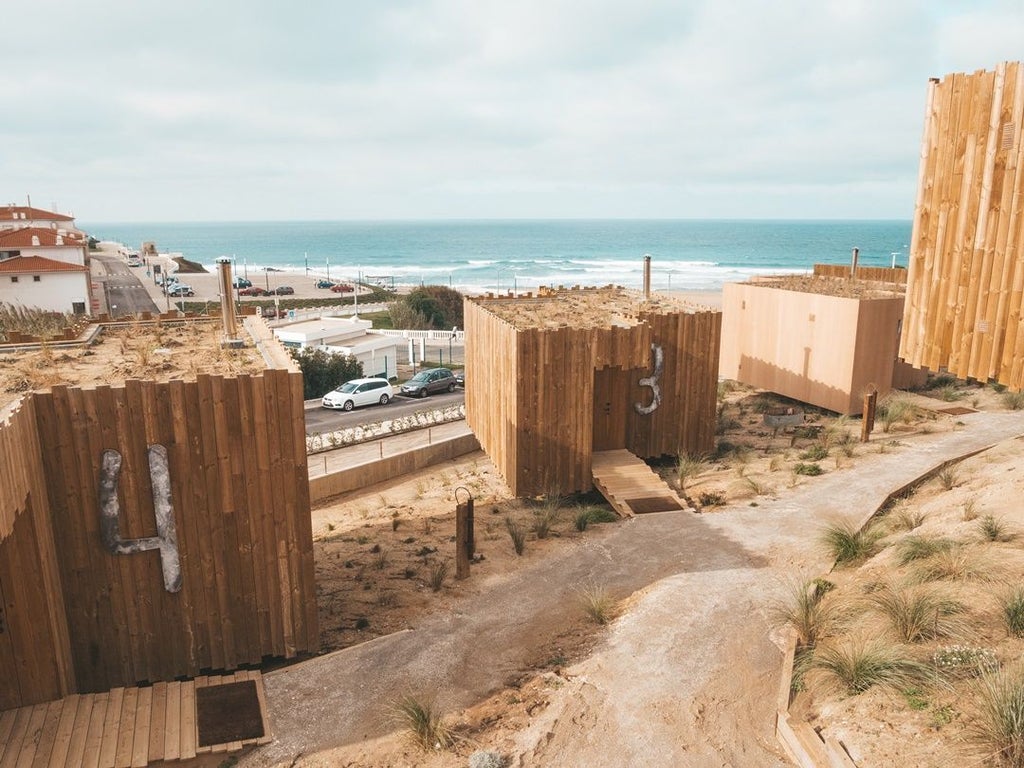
{"points": [[689, 674]]}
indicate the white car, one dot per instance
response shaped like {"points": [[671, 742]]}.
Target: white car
{"points": [[358, 392]]}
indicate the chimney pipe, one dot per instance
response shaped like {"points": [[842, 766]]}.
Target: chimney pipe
{"points": [[853, 265], [647, 276], [227, 307]]}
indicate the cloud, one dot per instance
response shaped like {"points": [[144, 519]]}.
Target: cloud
{"points": [[230, 110]]}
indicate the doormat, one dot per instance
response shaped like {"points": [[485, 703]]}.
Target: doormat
{"points": [[957, 410], [653, 504], [229, 712]]}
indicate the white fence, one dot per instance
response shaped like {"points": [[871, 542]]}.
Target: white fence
{"points": [[429, 335]]}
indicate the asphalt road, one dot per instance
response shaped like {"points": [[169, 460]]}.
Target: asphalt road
{"points": [[319, 420], [125, 293]]}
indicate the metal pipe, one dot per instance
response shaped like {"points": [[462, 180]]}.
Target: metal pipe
{"points": [[853, 265]]}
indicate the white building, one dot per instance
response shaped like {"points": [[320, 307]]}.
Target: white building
{"points": [[17, 216], [345, 336], [42, 283], [55, 244]]}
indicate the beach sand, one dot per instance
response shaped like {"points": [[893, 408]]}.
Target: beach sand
{"points": [[206, 286]]}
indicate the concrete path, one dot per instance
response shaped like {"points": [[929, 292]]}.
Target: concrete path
{"points": [[688, 675]]}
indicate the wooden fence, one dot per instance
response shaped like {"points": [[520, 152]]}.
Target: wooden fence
{"points": [[542, 400], [966, 277], [235, 477]]}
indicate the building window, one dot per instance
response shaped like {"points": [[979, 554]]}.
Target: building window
{"points": [[35, 278]]}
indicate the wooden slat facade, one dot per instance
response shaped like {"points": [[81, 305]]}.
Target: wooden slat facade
{"points": [[543, 397], [966, 276], [895, 275], [240, 498], [121, 728]]}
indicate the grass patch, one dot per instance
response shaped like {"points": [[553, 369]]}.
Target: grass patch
{"points": [[954, 564], [424, 722], [815, 453], [438, 574], [948, 478], [805, 610], [916, 547], [585, 515], [992, 528], [908, 519], [847, 544], [810, 470], [999, 726], [916, 614], [1012, 605], [1013, 401], [597, 604], [858, 665], [688, 467], [544, 519], [517, 533], [711, 499]]}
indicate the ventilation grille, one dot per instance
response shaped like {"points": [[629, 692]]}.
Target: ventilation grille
{"points": [[1009, 133]]}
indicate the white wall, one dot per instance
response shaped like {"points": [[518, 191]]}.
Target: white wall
{"points": [[55, 291], [62, 253]]}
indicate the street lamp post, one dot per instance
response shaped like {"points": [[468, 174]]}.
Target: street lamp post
{"points": [[450, 339]]}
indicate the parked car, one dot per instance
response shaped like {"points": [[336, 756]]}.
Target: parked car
{"points": [[341, 288], [460, 378], [240, 282], [134, 261], [324, 284], [252, 290], [284, 290], [162, 279], [358, 392], [429, 381], [180, 289]]}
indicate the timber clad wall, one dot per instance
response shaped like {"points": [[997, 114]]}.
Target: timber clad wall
{"points": [[966, 276], [895, 275], [543, 399], [819, 349], [240, 496]]}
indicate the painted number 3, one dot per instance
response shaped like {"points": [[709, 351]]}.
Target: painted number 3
{"points": [[166, 539], [652, 382]]}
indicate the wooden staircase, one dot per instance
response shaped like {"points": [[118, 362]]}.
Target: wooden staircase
{"points": [[630, 486]]}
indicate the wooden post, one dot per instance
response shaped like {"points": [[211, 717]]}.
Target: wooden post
{"points": [[853, 262], [868, 418], [463, 538]]}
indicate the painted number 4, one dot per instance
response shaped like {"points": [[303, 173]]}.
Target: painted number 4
{"points": [[166, 539]]}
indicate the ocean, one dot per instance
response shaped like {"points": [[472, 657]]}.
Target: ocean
{"points": [[494, 255]]}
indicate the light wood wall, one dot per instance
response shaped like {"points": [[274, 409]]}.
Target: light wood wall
{"points": [[240, 495], [541, 400], [896, 275], [818, 349], [966, 276]]}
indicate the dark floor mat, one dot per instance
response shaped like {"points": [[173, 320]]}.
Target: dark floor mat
{"points": [[653, 504], [229, 712], [957, 410]]}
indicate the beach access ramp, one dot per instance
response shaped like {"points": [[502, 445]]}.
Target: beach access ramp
{"points": [[630, 486]]}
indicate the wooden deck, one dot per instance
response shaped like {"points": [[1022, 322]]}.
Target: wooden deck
{"points": [[630, 486], [122, 728]]}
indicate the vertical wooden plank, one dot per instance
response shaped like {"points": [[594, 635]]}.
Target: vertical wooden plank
{"points": [[79, 731], [172, 722], [16, 737], [188, 721], [111, 729], [157, 722], [48, 733], [33, 732], [94, 736], [7, 719], [140, 740]]}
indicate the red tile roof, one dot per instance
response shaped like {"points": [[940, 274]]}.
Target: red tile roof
{"points": [[13, 212], [22, 238], [21, 265]]}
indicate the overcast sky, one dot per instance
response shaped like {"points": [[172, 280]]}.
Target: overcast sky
{"points": [[140, 110]]}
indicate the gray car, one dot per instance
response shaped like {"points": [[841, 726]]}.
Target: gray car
{"points": [[429, 381]]}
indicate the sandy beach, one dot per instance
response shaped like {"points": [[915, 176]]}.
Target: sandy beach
{"points": [[206, 286]]}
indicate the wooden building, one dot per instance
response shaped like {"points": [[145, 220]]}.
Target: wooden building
{"points": [[820, 340], [966, 273], [557, 376], [152, 531]]}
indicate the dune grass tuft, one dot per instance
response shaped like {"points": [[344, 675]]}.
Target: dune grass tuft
{"points": [[916, 547], [856, 665], [847, 544], [998, 729], [807, 612], [918, 613], [424, 722]]}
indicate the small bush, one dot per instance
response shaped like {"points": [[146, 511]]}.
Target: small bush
{"points": [[949, 393], [517, 533], [994, 529], [1012, 604], [948, 478], [424, 723], [956, 563], [815, 453], [908, 519], [858, 665], [438, 574], [804, 610], [895, 408], [999, 727], [1013, 401], [811, 470], [380, 559], [970, 509], [545, 518], [687, 467], [597, 604], [585, 515], [846, 544]]}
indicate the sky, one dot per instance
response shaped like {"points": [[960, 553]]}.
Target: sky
{"points": [[139, 110]]}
